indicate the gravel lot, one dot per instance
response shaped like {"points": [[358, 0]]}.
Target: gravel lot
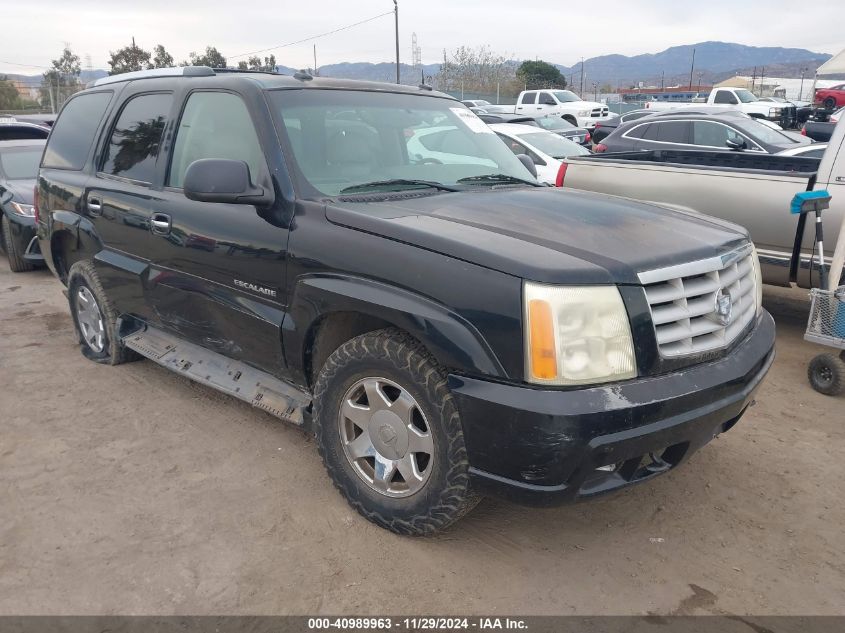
{"points": [[129, 490]]}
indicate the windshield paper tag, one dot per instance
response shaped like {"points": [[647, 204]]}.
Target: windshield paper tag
{"points": [[472, 121]]}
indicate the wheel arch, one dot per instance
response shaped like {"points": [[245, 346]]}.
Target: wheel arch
{"points": [[328, 310], [72, 239]]}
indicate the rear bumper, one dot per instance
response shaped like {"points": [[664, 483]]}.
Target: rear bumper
{"points": [[542, 447]]}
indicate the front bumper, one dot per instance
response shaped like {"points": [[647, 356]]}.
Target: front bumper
{"points": [[22, 229], [542, 447]]}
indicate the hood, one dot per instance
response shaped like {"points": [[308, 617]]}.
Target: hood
{"points": [[545, 234], [21, 190], [585, 104]]}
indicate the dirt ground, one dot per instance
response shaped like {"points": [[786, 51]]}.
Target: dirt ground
{"points": [[128, 490]]}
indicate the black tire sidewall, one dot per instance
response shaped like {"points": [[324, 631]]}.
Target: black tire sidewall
{"points": [[837, 368]]}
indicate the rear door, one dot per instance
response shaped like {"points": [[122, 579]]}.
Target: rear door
{"points": [[219, 269], [117, 199], [665, 135], [527, 103]]}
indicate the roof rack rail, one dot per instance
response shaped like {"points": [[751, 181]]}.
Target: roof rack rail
{"points": [[246, 71], [179, 71]]}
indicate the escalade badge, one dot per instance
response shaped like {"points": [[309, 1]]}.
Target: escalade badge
{"points": [[724, 306]]}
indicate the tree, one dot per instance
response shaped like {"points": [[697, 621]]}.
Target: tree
{"points": [[535, 74], [254, 63], [211, 58], [478, 70], [161, 58], [129, 59], [9, 98], [62, 80]]}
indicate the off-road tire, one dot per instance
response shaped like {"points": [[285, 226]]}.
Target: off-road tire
{"points": [[826, 373], [447, 494], [81, 274], [16, 261]]}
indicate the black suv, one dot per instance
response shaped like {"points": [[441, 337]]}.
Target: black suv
{"points": [[444, 325]]}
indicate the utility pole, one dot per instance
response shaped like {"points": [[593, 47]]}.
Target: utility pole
{"points": [[753, 78], [801, 90], [663, 81], [699, 80], [396, 15], [762, 72], [692, 66], [315, 60], [582, 77]]}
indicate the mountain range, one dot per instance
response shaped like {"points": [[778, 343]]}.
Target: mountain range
{"points": [[714, 60]]}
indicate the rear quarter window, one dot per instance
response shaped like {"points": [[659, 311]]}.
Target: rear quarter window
{"points": [[73, 133]]}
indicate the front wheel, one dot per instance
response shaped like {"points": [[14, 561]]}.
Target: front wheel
{"points": [[827, 374], [13, 250], [390, 435]]}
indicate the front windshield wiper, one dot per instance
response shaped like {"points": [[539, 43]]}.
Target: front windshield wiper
{"points": [[397, 182], [499, 178]]}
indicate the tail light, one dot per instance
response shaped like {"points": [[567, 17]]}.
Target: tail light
{"points": [[804, 131], [601, 147], [598, 125], [561, 174], [35, 203], [588, 138]]}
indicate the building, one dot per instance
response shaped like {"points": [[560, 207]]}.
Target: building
{"points": [[26, 90], [668, 93]]}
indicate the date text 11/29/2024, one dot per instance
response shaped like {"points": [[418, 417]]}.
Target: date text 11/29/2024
{"points": [[417, 623]]}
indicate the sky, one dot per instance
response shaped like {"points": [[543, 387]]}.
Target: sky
{"points": [[35, 32]]}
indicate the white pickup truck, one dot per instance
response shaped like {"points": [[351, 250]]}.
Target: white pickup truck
{"points": [[753, 190], [563, 103], [733, 99]]}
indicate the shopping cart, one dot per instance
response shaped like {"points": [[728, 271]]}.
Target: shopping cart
{"points": [[826, 324]]}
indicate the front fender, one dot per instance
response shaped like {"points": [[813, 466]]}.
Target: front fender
{"points": [[453, 340]]}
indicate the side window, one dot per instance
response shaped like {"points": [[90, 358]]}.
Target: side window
{"points": [[528, 98], [671, 132], [215, 125], [73, 133], [709, 133], [547, 99], [639, 131], [136, 139], [725, 96]]}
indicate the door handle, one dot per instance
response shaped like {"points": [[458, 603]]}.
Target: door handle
{"points": [[95, 206], [160, 224]]}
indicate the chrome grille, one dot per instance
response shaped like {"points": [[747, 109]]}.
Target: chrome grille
{"points": [[683, 302]]}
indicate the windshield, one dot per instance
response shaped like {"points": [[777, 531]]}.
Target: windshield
{"points": [[565, 96], [343, 139], [20, 164], [554, 123], [553, 145], [745, 96]]}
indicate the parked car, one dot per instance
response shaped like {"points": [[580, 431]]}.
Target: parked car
{"points": [[563, 103], [749, 188], [830, 98], [18, 169], [545, 149], [730, 132], [821, 131], [815, 150], [735, 99], [444, 330], [549, 123], [12, 130], [476, 103], [45, 120], [604, 128]]}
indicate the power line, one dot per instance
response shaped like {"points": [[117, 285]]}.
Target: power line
{"points": [[313, 37]]}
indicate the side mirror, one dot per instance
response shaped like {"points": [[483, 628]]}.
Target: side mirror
{"points": [[525, 159], [223, 180], [736, 145]]}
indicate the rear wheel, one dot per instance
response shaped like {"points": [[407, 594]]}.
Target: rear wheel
{"points": [[827, 374], [94, 317], [829, 103], [390, 435], [13, 251]]}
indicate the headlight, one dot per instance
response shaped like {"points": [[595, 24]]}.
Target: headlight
{"points": [[26, 210], [576, 335], [583, 113], [758, 280]]}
